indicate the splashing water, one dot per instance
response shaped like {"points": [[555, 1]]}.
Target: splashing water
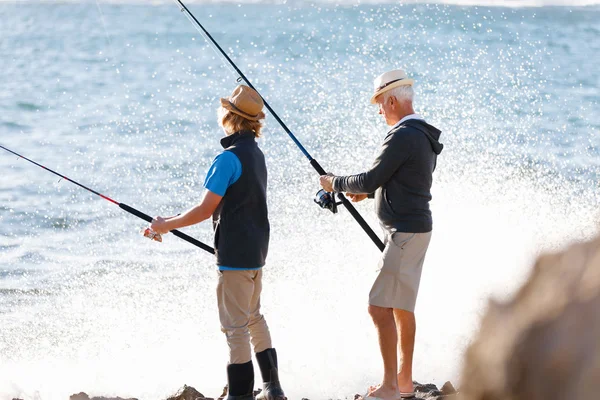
{"points": [[87, 304]]}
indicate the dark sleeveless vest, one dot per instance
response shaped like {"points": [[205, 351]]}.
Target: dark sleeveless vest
{"points": [[241, 221]]}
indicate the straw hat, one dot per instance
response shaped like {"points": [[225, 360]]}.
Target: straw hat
{"points": [[390, 80], [246, 102]]}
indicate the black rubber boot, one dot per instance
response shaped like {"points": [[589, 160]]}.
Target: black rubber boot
{"points": [[240, 379], [267, 361]]}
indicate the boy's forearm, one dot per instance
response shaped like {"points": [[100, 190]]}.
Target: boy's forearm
{"points": [[192, 216]]}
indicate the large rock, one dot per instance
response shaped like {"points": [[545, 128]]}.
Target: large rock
{"points": [[544, 342]]}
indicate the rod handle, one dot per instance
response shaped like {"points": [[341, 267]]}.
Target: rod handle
{"points": [[363, 224], [175, 232], [315, 164]]}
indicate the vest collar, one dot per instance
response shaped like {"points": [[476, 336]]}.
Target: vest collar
{"points": [[239, 136]]}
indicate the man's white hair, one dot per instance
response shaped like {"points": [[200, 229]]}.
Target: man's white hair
{"points": [[401, 93]]}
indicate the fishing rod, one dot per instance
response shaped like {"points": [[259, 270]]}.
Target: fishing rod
{"points": [[324, 199], [125, 207]]}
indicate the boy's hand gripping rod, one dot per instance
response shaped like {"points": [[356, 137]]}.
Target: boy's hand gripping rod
{"points": [[312, 161], [125, 207]]}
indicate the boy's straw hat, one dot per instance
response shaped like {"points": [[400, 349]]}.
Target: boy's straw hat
{"points": [[246, 102]]}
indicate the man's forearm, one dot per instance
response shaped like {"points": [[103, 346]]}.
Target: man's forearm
{"points": [[360, 184]]}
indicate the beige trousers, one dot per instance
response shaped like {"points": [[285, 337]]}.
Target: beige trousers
{"points": [[238, 297]]}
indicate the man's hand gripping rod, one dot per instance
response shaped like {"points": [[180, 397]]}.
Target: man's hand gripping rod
{"points": [[346, 203]]}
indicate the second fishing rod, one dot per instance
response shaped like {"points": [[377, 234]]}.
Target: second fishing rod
{"points": [[323, 198], [123, 206]]}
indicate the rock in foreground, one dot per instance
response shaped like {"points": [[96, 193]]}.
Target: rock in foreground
{"points": [[84, 396], [423, 391]]}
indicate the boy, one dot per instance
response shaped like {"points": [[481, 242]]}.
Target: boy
{"points": [[236, 198]]}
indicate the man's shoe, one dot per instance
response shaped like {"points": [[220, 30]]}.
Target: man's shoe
{"points": [[267, 361]]}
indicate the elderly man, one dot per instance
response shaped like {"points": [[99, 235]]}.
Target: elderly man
{"points": [[400, 181]]}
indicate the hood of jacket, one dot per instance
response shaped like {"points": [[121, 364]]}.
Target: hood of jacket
{"points": [[431, 132]]}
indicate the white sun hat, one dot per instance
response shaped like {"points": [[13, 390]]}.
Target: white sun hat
{"points": [[389, 80]]}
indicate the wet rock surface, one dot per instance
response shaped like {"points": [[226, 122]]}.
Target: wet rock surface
{"points": [[188, 393], [431, 392], [422, 391], [428, 391], [84, 396]]}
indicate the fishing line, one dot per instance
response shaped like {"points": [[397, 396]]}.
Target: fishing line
{"points": [[110, 47], [123, 206], [208, 38], [314, 163]]}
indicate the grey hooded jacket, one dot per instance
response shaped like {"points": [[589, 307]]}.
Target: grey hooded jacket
{"points": [[400, 177]]}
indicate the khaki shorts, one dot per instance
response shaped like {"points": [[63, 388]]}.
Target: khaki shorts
{"points": [[400, 268]]}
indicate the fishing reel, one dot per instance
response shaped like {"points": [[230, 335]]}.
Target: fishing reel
{"points": [[326, 201]]}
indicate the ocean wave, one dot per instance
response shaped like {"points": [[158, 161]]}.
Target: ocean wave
{"points": [[481, 3], [27, 106], [518, 3], [24, 292], [15, 126]]}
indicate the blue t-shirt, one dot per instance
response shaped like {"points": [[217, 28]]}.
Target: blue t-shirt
{"points": [[225, 170]]}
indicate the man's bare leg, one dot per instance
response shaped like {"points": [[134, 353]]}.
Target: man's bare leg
{"points": [[388, 342], [406, 325]]}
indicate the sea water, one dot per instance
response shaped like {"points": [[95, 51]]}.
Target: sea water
{"points": [[122, 97]]}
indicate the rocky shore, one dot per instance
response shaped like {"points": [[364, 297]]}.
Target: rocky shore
{"points": [[423, 391]]}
